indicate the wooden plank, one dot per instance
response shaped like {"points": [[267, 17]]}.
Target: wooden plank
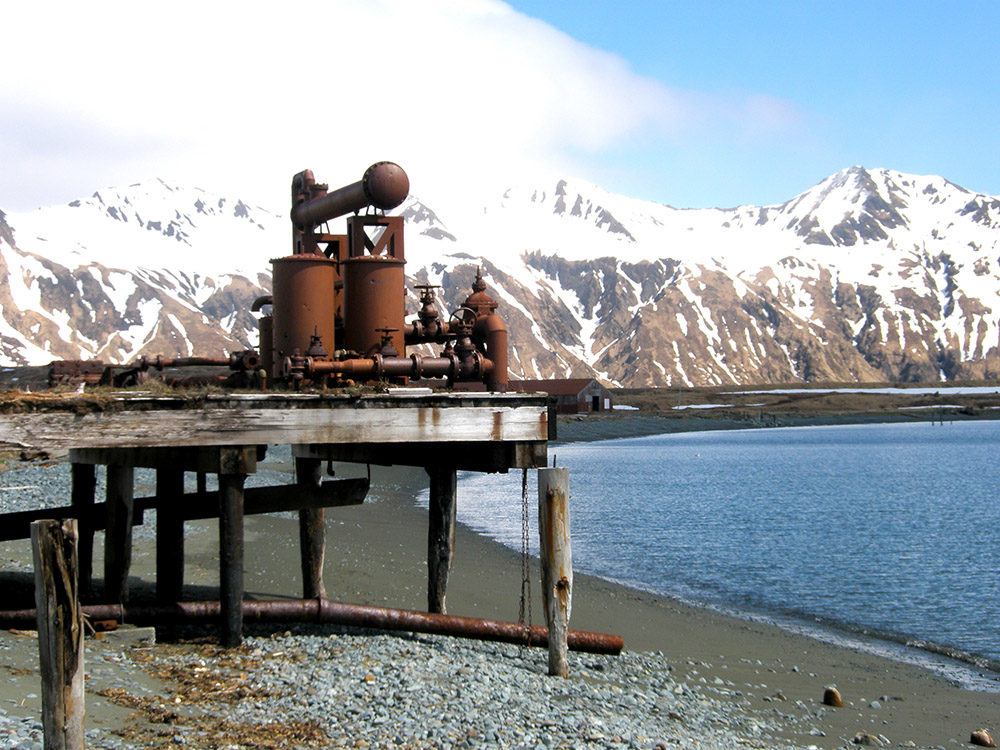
{"points": [[60, 633], [556, 562], [201, 427], [440, 535], [202, 459], [465, 456], [197, 505]]}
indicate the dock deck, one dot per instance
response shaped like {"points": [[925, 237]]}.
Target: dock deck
{"points": [[224, 433]]}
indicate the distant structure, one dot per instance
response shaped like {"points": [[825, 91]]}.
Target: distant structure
{"points": [[572, 395]]}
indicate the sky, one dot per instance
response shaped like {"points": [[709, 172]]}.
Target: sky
{"points": [[697, 104]]}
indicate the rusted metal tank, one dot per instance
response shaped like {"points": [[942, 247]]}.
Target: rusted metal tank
{"points": [[374, 285], [303, 303]]}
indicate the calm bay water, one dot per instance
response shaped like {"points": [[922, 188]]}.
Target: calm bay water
{"points": [[893, 529]]}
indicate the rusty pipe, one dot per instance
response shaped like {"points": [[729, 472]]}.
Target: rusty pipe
{"points": [[384, 186], [421, 332], [245, 360], [258, 303], [335, 613], [415, 366], [492, 331], [160, 362]]}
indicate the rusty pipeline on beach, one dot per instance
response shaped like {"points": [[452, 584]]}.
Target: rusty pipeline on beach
{"points": [[328, 612]]}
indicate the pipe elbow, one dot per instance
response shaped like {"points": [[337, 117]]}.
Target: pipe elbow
{"points": [[258, 303]]}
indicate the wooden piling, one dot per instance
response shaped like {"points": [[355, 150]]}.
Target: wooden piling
{"points": [[556, 562], [440, 535], [118, 532], [231, 558], [84, 485], [169, 534], [312, 531], [60, 632]]}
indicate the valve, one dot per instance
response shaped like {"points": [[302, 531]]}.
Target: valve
{"points": [[387, 349]]}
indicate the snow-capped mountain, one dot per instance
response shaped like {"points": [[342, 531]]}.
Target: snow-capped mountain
{"points": [[151, 267], [869, 275]]}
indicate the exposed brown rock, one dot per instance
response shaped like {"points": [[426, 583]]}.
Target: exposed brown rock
{"points": [[868, 740], [982, 738], [831, 697]]}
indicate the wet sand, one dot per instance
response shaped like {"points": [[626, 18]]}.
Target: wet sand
{"points": [[376, 554]]}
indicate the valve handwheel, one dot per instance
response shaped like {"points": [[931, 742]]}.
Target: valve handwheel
{"points": [[463, 316]]}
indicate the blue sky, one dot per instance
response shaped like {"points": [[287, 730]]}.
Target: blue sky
{"points": [[691, 104], [912, 86]]}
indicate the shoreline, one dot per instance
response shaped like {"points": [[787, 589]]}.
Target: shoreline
{"points": [[376, 554], [919, 705], [974, 671]]}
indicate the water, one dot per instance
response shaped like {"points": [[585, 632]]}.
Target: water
{"points": [[886, 529]]}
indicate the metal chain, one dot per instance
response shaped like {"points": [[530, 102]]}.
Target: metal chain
{"points": [[525, 568]]}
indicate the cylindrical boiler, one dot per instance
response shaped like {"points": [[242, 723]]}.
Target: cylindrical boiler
{"points": [[303, 303], [374, 297]]}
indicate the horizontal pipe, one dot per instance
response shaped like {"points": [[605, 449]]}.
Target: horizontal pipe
{"points": [[335, 613], [414, 366], [384, 185], [162, 362]]}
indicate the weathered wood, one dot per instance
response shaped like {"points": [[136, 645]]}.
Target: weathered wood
{"points": [[340, 421], [231, 558], [464, 455], [556, 562], [312, 530], [197, 505], [169, 535], [118, 532], [84, 485], [442, 507], [60, 633], [206, 459]]}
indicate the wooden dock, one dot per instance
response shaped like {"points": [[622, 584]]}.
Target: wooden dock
{"points": [[227, 433]]}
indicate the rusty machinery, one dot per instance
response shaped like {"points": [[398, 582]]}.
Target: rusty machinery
{"points": [[337, 306]]}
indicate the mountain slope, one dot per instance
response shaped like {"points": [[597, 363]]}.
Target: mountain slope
{"points": [[869, 275]]}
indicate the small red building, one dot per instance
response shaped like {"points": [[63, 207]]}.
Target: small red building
{"points": [[573, 395]]}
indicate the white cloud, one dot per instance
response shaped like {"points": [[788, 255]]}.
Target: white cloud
{"points": [[240, 96]]}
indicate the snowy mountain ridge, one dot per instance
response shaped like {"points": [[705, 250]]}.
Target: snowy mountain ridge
{"points": [[869, 275]]}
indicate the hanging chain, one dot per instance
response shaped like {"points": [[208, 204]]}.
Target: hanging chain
{"points": [[525, 568]]}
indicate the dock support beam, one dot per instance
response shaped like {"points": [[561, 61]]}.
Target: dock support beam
{"points": [[556, 562], [231, 558], [60, 633], [232, 476], [118, 532], [312, 531], [84, 485], [440, 535], [169, 534]]}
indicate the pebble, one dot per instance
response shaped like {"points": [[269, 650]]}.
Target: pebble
{"points": [[443, 691]]}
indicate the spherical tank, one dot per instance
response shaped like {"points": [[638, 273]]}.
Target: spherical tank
{"points": [[374, 290], [303, 304]]}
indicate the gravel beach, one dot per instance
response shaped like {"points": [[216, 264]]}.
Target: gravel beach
{"points": [[689, 677]]}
